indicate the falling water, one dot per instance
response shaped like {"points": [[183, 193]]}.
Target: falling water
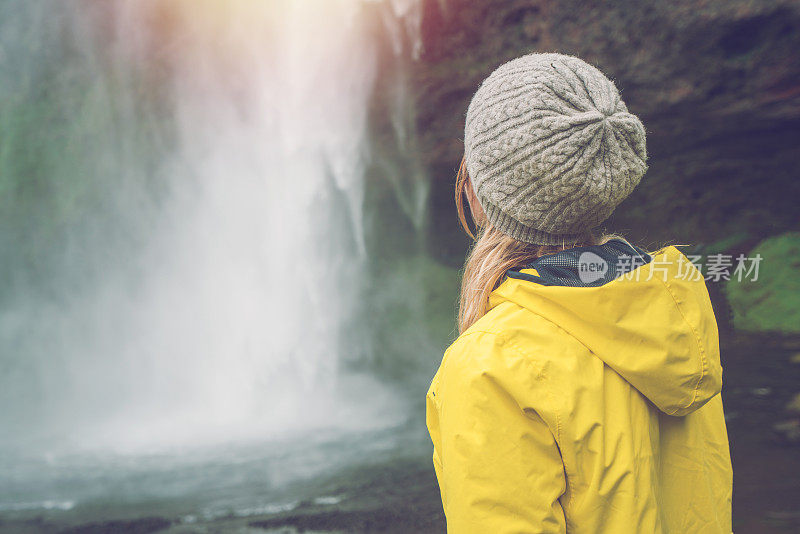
{"points": [[207, 286], [187, 318]]}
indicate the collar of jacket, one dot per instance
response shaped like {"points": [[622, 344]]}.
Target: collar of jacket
{"points": [[589, 266]]}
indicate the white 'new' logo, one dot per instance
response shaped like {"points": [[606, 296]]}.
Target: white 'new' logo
{"points": [[591, 267]]}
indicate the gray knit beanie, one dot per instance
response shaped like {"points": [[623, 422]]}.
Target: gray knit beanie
{"points": [[551, 148]]}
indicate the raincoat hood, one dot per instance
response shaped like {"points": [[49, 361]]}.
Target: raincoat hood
{"points": [[641, 314]]}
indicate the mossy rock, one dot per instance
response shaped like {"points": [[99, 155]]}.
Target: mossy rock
{"points": [[412, 311], [794, 404], [772, 302]]}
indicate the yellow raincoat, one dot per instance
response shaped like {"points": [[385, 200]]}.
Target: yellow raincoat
{"points": [[586, 408]]}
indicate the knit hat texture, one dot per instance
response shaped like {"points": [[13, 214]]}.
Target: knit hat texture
{"points": [[551, 148]]}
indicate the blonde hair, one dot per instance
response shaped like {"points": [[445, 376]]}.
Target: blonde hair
{"points": [[492, 255]]}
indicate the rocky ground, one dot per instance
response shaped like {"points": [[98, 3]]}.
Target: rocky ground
{"points": [[401, 496]]}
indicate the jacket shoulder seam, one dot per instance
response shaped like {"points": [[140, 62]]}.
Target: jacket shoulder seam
{"points": [[698, 341], [462, 337], [526, 355]]}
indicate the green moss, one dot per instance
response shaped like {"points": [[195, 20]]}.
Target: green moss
{"points": [[772, 302], [412, 310]]}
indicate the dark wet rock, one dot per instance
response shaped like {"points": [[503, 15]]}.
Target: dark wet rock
{"points": [[387, 520], [715, 83], [143, 525], [793, 406], [391, 499], [788, 432]]}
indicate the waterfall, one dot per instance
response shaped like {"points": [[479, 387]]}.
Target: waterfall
{"points": [[207, 280]]}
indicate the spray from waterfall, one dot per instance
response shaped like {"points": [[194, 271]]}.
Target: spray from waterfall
{"points": [[227, 139]]}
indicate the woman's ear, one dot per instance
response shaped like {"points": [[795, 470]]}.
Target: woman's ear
{"points": [[478, 215]]}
